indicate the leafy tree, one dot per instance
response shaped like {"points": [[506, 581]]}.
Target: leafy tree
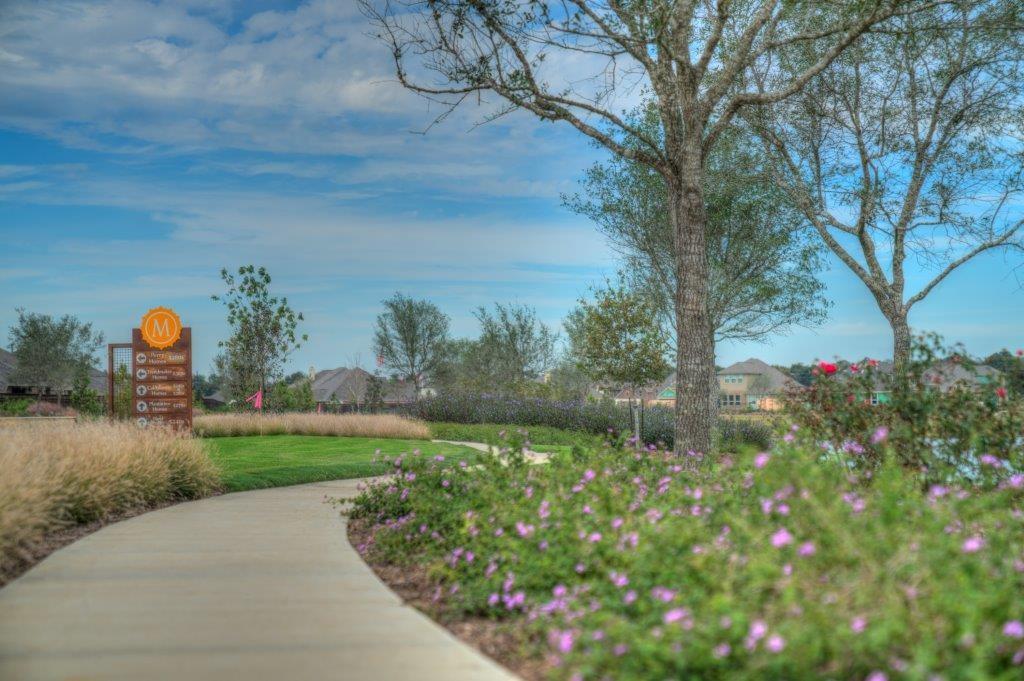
{"points": [[264, 331], [411, 336], [908, 146], [50, 352], [83, 398], [575, 61], [514, 348], [374, 394], [617, 339], [1012, 366], [762, 262], [297, 396]]}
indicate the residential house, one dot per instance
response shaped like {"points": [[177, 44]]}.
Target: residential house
{"points": [[344, 389], [752, 385], [944, 375], [11, 389]]}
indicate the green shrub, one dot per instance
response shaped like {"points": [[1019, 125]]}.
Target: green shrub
{"points": [[16, 407], [929, 422], [596, 418], [771, 566]]}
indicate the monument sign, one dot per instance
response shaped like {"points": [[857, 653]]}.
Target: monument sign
{"points": [[162, 370]]}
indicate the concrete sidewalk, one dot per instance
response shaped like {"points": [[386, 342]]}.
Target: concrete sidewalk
{"points": [[252, 585]]}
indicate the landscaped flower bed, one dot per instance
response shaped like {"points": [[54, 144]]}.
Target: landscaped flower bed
{"points": [[624, 565]]}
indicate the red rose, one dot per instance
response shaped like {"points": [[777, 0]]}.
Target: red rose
{"points": [[1001, 392], [854, 368], [872, 362], [1020, 353], [827, 367]]}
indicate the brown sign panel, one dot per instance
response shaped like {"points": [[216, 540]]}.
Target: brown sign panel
{"points": [[162, 381], [173, 421], [172, 389], [157, 358], [160, 374]]}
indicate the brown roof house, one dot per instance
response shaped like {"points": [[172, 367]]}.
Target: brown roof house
{"points": [[752, 385], [11, 388], [346, 389]]}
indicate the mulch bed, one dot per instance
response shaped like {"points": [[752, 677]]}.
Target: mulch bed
{"points": [[503, 642]]}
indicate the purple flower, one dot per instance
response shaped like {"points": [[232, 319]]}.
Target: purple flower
{"points": [[989, 460], [676, 615], [781, 538], [630, 597], [807, 549], [1014, 629], [880, 434], [722, 650], [618, 579], [562, 641], [620, 649], [877, 676], [973, 544], [775, 643], [858, 625], [762, 459], [758, 629], [493, 599], [594, 537], [545, 509]]}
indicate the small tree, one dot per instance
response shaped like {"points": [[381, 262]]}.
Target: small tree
{"points": [[50, 352], [617, 338], [514, 347], [264, 331], [410, 338], [374, 394], [83, 398]]}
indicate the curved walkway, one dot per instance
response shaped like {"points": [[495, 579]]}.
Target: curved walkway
{"points": [[252, 585]]}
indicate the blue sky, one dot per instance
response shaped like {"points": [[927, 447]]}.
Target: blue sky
{"points": [[143, 146]]}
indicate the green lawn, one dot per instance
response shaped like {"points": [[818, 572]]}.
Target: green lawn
{"points": [[489, 432], [277, 460]]}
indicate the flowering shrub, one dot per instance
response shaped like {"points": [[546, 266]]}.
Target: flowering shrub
{"points": [[927, 421], [774, 565], [598, 418]]}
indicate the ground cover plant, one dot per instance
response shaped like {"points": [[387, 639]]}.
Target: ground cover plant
{"points": [[617, 564], [55, 476], [342, 425], [250, 462], [596, 418]]}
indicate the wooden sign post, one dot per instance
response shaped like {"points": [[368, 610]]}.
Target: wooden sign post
{"points": [[162, 370]]}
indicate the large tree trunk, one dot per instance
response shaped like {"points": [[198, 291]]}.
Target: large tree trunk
{"points": [[695, 344], [900, 338]]}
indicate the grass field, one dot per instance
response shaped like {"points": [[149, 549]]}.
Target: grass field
{"points": [[276, 460]]}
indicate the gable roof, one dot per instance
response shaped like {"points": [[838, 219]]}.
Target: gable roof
{"points": [[349, 386], [8, 363], [777, 381]]}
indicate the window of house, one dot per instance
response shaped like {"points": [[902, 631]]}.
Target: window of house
{"points": [[732, 379], [730, 400], [876, 399]]}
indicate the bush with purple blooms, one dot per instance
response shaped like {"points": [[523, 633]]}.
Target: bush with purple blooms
{"points": [[597, 418], [637, 565], [942, 418]]}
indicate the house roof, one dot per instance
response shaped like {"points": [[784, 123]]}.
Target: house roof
{"points": [[948, 374], [349, 385], [777, 381], [8, 364]]}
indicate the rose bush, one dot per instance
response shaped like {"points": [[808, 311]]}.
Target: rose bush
{"points": [[926, 420], [638, 565]]}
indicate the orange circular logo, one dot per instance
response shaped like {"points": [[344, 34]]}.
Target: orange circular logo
{"points": [[161, 327]]}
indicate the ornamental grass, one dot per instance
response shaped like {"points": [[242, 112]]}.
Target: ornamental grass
{"points": [[341, 425], [54, 476], [613, 564]]}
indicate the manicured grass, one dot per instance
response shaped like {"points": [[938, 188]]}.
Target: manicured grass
{"points": [[252, 462], [490, 432]]}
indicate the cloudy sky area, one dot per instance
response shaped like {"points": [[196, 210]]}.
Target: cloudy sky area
{"points": [[143, 146]]}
